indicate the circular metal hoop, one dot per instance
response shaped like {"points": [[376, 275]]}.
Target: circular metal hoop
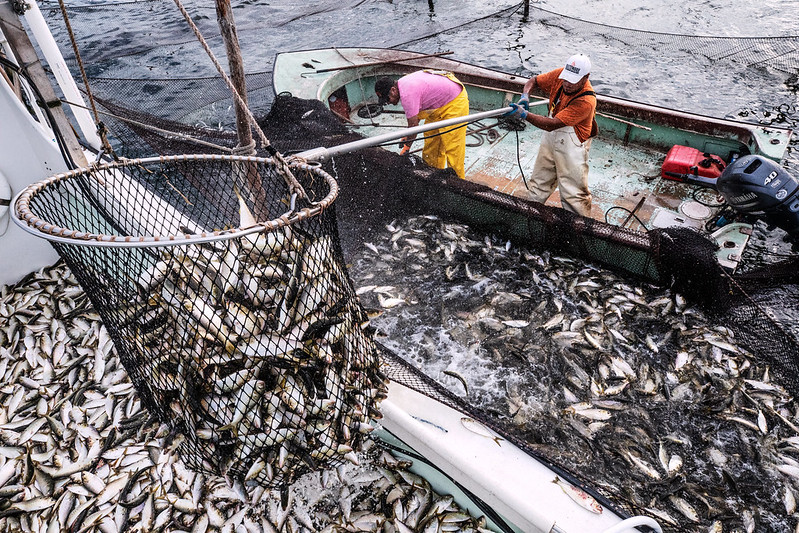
{"points": [[24, 216]]}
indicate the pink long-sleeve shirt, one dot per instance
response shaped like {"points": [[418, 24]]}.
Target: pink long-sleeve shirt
{"points": [[422, 91]]}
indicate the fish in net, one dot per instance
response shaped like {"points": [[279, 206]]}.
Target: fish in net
{"points": [[246, 337]]}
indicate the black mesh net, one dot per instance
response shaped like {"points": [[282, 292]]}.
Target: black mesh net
{"points": [[677, 258], [395, 186], [776, 52], [253, 347]]}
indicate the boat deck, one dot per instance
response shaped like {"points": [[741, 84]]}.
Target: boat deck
{"points": [[620, 178]]}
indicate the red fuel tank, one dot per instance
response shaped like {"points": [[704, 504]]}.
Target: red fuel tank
{"points": [[686, 160]]}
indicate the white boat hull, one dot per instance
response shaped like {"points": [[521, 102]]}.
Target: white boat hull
{"points": [[511, 482], [28, 153]]}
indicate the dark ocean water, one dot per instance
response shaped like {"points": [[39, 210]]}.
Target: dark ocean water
{"points": [[656, 52]]}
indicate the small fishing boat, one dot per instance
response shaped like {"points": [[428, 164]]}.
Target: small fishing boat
{"points": [[652, 168]]}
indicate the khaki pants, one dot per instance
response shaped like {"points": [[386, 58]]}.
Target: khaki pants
{"points": [[449, 149], [562, 161]]}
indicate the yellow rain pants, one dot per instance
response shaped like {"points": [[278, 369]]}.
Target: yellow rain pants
{"points": [[448, 149]]}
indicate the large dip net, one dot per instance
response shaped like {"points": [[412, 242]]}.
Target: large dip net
{"points": [[245, 337]]}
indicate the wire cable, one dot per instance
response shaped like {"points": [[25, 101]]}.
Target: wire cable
{"points": [[628, 211], [519, 160]]}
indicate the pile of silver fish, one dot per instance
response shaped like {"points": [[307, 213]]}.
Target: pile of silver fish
{"points": [[78, 452], [255, 348], [632, 389]]}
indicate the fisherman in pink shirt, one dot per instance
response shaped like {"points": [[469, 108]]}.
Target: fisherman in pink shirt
{"points": [[431, 96]]}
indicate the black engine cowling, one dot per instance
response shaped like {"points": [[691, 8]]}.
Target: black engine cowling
{"points": [[758, 186]]}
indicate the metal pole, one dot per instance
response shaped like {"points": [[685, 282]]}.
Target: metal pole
{"points": [[321, 153], [249, 171], [526, 9], [62, 74]]}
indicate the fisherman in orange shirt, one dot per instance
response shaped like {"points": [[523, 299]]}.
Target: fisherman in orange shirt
{"points": [[562, 159]]}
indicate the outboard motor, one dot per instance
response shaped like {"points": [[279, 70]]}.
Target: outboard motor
{"points": [[757, 186]]}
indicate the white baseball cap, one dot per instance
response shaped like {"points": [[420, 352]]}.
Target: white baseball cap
{"points": [[576, 67]]}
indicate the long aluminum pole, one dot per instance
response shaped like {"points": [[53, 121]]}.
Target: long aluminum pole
{"points": [[321, 153]]}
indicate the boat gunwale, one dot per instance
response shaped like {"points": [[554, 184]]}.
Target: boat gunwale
{"points": [[596, 228]]}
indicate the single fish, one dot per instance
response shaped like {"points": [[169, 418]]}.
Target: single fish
{"points": [[476, 427], [388, 303], [685, 508], [246, 218], [364, 289], [556, 320], [650, 343], [789, 500], [585, 500], [459, 378], [644, 466]]}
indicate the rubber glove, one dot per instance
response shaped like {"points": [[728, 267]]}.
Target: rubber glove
{"points": [[517, 112], [405, 145], [524, 101]]}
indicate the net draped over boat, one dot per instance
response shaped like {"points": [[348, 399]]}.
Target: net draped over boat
{"points": [[250, 343], [681, 259]]}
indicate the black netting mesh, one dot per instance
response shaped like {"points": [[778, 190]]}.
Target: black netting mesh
{"points": [[253, 347], [677, 258]]}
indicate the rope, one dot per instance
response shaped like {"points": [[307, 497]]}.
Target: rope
{"points": [[244, 150], [631, 213], [166, 133], [101, 130], [291, 181]]}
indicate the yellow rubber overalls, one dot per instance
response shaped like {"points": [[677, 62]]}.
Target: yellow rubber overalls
{"points": [[448, 149]]}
